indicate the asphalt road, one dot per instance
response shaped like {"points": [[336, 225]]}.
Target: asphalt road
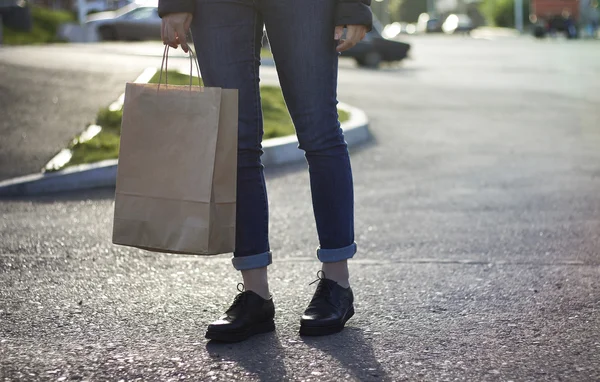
{"points": [[49, 94], [478, 223], [43, 109]]}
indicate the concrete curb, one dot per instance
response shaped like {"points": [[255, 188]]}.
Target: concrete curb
{"points": [[277, 151], [81, 177]]}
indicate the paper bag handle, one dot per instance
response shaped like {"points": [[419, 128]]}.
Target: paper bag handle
{"points": [[165, 65]]}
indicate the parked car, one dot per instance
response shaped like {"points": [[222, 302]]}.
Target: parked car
{"points": [[457, 24], [428, 24], [375, 49], [136, 21]]}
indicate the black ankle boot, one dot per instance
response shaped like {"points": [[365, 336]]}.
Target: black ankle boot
{"points": [[329, 309], [249, 314]]}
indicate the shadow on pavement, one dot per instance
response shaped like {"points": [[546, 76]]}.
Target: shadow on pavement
{"points": [[261, 356], [354, 352]]}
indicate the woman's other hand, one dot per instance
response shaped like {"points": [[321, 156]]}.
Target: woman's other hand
{"points": [[174, 29], [354, 34]]}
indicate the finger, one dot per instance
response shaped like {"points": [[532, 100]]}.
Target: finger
{"points": [[361, 31], [188, 22], [181, 37], [353, 33], [345, 45], [170, 37], [339, 30]]}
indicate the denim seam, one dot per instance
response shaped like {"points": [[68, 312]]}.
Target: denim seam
{"points": [[257, 103], [258, 107], [335, 68]]}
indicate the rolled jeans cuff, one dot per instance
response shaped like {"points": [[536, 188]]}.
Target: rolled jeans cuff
{"points": [[251, 262], [337, 254]]}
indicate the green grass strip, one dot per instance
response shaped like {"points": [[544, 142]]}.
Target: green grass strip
{"points": [[45, 23]]}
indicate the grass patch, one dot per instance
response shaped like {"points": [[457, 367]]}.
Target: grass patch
{"points": [[176, 78], [276, 119], [266, 53], [105, 145], [110, 120], [45, 23], [343, 115]]}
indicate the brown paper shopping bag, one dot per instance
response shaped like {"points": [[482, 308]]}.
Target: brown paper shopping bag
{"points": [[176, 178]]}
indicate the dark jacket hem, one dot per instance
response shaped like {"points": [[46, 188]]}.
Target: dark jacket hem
{"points": [[348, 12], [355, 12], [175, 6]]}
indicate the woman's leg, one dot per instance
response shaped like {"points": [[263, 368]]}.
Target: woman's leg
{"points": [[227, 36], [301, 34]]}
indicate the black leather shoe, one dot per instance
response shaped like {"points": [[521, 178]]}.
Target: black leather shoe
{"points": [[249, 314], [329, 309]]}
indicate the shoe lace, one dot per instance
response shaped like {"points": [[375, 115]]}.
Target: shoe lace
{"points": [[323, 291], [320, 276], [238, 300]]}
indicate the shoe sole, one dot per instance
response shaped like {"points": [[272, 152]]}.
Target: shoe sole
{"points": [[237, 336], [326, 330]]}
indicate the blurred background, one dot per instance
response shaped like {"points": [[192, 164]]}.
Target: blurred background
{"points": [[37, 21]]}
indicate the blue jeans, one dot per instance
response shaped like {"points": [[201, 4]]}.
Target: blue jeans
{"points": [[227, 36]]}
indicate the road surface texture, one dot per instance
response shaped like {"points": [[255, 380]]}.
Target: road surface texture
{"points": [[477, 219], [49, 94]]}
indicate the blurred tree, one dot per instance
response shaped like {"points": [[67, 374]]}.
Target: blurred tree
{"points": [[407, 10], [501, 13]]}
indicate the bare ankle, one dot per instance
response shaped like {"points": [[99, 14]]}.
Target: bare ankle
{"points": [[257, 281], [337, 272]]}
